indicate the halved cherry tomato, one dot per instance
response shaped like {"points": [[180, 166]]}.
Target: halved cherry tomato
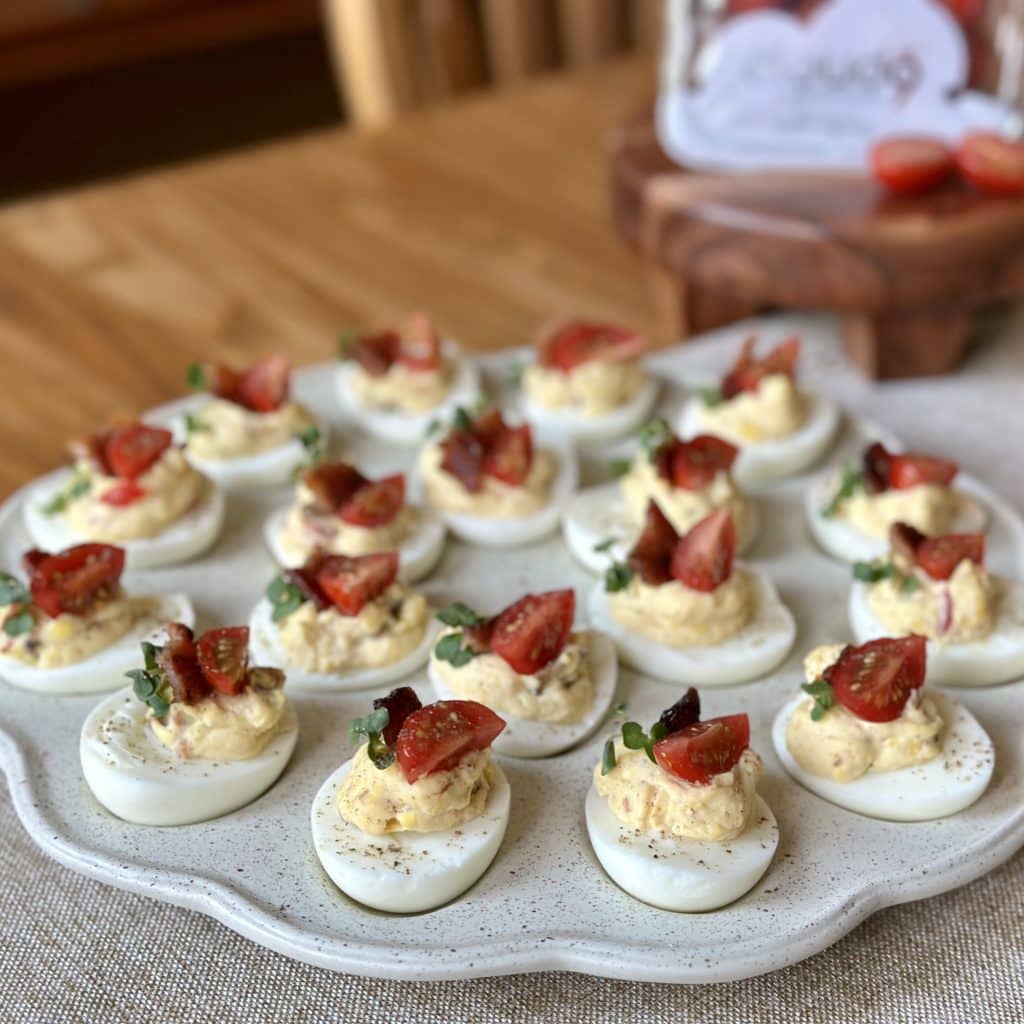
{"points": [[123, 493], [875, 680], [178, 662], [130, 450], [510, 456], [651, 555], [748, 371], [376, 352], [695, 463], [992, 163], [71, 580], [351, 583], [437, 737], [462, 458], [223, 656], [264, 386], [400, 703], [939, 556], [333, 483], [532, 632], [376, 503], [571, 343], [703, 750], [703, 558], [420, 348], [909, 470], [911, 164], [875, 468]]}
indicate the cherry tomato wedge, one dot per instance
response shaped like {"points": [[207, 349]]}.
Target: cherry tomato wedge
{"points": [[992, 163], [73, 579], [911, 164], [510, 456], [695, 463], [223, 656], [420, 349], [909, 470], [130, 450], [875, 680], [333, 483], [699, 752], [437, 737], [939, 556], [651, 555], [571, 343], [376, 503], [123, 493], [532, 632], [264, 386], [748, 371], [351, 583], [703, 558]]}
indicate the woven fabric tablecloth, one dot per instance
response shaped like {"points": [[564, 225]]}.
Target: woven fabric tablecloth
{"points": [[74, 950]]}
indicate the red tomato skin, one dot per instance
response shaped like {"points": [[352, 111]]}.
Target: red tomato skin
{"points": [[435, 738], [875, 680], [264, 386], [351, 583], [71, 580], [123, 493], [939, 556], [217, 645], [651, 555], [703, 558], [695, 463], [132, 449], [699, 752], [912, 164], [992, 164], [909, 470], [531, 633], [375, 503], [510, 456]]}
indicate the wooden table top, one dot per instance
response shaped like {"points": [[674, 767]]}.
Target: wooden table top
{"points": [[491, 213]]}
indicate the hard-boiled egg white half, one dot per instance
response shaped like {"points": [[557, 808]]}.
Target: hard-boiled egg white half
{"points": [[182, 540], [401, 427], [942, 786], [266, 649], [524, 737], [999, 658], [418, 553], [406, 872], [761, 645], [597, 514], [681, 874], [841, 539], [490, 532], [573, 423], [764, 462], [138, 779], [106, 669]]}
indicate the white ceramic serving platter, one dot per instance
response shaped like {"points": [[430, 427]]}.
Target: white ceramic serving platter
{"points": [[545, 904]]}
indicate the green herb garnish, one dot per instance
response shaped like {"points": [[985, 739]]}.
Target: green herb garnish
{"points": [[461, 420], [634, 737], [149, 684], [450, 648], [515, 374], [460, 615], [909, 584], [312, 440], [872, 572], [710, 396], [12, 590], [604, 546], [620, 708], [850, 483], [345, 342], [20, 623], [617, 577], [619, 468], [78, 485], [284, 597], [432, 427], [372, 727], [608, 756], [195, 377], [194, 425], [821, 691], [654, 436]]}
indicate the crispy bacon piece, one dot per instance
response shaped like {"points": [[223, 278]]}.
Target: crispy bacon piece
{"points": [[488, 447], [178, 661], [400, 704], [651, 555], [748, 371]]}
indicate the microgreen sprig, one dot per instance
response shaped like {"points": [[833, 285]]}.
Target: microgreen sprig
{"points": [[12, 590], [372, 726], [194, 425], [710, 396], [148, 684], [346, 340], [619, 468], [78, 485], [608, 756], [19, 623], [284, 597], [634, 737], [653, 437], [850, 482], [873, 572], [312, 440], [459, 615], [452, 649], [824, 698], [461, 420], [617, 577], [195, 377]]}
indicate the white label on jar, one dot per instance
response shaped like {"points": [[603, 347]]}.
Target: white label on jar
{"points": [[772, 90]]}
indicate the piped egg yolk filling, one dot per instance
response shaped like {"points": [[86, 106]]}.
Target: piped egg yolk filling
{"points": [[224, 430], [930, 508], [402, 389], [772, 412], [593, 388]]}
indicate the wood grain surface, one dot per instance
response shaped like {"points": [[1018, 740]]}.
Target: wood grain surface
{"points": [[492, 213]]}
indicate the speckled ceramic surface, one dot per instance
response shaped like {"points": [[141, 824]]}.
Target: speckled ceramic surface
{"points": [[545, 902]]}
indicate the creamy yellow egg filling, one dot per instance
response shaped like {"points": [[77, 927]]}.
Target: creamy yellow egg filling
{"points": [[561, 692], [683, 508], [379, 801], [386, 630], [172, 487], [642, 795], [593, 388], [224, 430], [677, 616], [930, 508], [402, 389], [69, 639], [774, 411], [307, 528], [842, 747], [495, 499], [222, 727]]}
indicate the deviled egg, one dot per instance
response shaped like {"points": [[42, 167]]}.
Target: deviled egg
{"points": [[851, 510], [939, 588], [397, 384], [342, 623], [492, 484], [674, 815], [553, 685], [419, 812], [130, 486], [201, 731], [679, 610], [245, 431], [866, 736], [687, 479], [779, 429], [339, 511], [588, 381], [71, 628]]}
